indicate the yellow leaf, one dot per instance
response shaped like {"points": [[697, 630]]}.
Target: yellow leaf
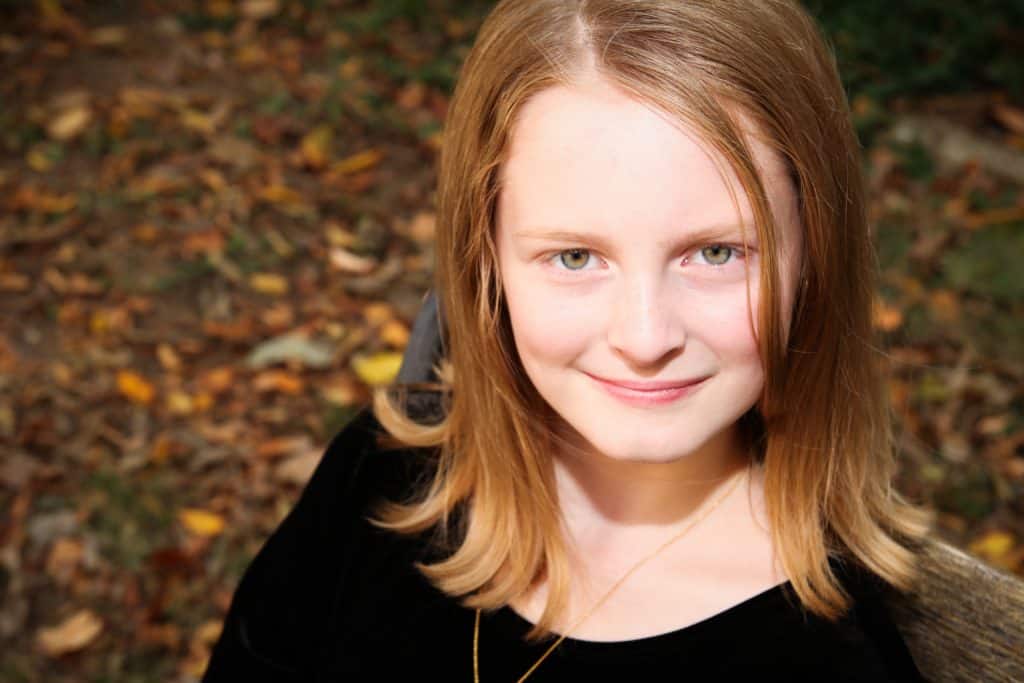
{"points": [[73, 634], [133, 387], [268, 283], [38, 160], [993, 546], [201, 522], [377, 369], [316, 146], [179, 403], [198, 121], [69, 123], [358, 162]]}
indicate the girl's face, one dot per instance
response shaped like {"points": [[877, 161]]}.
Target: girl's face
{"points": [[621, 259]]}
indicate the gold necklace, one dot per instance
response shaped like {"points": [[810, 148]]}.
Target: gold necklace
{"points": [[693, 523]]}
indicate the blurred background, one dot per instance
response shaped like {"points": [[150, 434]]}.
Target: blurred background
{"points": [[216, 225]]}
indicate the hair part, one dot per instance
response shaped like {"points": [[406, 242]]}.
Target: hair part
{"points": [[728, 70]]}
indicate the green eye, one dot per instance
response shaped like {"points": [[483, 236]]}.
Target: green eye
{"points": [[717, 254], [577, 260]]}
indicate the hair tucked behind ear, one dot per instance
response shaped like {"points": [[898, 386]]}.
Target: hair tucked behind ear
{"points": [[728, 69]]}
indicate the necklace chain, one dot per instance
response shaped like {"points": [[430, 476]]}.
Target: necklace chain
{"points": [[476, 625]]}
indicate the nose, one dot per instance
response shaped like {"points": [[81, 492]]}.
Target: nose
{"points": [[645, 325]]}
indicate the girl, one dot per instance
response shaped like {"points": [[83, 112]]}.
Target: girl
{"points": [[660, 444]]}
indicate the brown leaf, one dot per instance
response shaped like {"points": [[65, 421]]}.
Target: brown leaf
{"points": [[299, 468], [423, 226], [886, 317], [284, 445], [412, 95], [944, 306], [217, 380], [63, 558], [1010, 117], [260, 9], [394, 333], [73, 634], [280, 381], [108, 36]]}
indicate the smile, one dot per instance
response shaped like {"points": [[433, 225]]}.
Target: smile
{"points": [[649, 393]]}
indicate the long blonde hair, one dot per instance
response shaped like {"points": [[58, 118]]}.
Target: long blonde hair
{"points": [[822, 428]]}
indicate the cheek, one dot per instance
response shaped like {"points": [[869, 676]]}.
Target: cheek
{"points": [[547, 326], [723, 323]]}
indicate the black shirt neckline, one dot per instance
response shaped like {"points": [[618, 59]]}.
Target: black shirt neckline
{"points": [[510, 624]]}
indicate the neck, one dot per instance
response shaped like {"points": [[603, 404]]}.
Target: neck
{"points": [[608, 498]]}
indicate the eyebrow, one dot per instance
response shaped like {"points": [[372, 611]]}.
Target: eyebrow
{"points": [[711, 233]]}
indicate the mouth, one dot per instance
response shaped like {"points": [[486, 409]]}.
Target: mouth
{"points": [[648, 393]]}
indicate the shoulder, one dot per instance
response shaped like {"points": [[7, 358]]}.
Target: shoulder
{"points": [[281, 612], [864, 644]]}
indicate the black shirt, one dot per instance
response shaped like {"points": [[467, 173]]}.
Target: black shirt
{"points": [[330, 597]]}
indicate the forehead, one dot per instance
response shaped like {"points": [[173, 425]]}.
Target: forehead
{"points": [[590, 152]]}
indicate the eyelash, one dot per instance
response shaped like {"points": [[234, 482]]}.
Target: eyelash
{"points": [[737, 252]]}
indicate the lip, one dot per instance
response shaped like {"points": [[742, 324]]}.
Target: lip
{"points": [[648, 393], [649, 386]]}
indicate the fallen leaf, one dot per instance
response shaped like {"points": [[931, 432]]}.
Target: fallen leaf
{"points": [[291, 347], [284, 445], [348, 262], [1011, 117], [217, 380], [14, 282], [39, 158], [316, 146], [69, 124], [341, 390], [260, 9], [298, 469], [944, 305], [63, 558], [269, 283], [134, 387], [377, 369], [993, 546], [357, 162], [412, 95], [280, 194], [179, 403], [887, 318], [983, 219], [201, 522], [108, 36], [422, 227], [378, 313], [168, 357], [71, 635], [395, 334], [278, 380]]}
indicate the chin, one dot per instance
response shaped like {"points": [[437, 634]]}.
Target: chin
{"points": [[650, 448]]}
